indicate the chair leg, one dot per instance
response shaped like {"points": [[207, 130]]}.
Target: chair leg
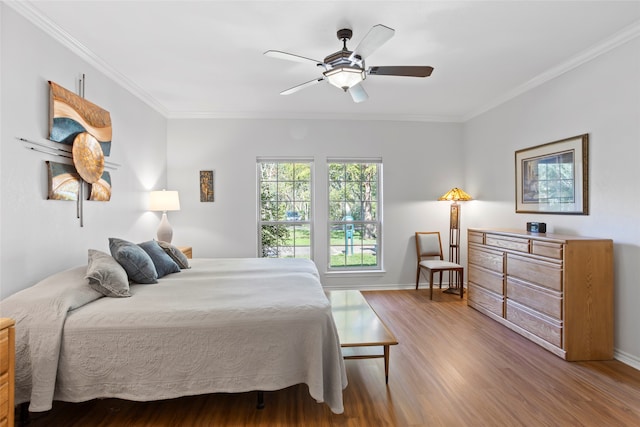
{"points": [[461, 274], [430, 284], [417, 277]]}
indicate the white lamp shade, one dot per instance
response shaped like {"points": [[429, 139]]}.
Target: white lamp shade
{"points": [[164, 201]]}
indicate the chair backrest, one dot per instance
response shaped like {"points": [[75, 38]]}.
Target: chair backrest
{"points": [[428, 244]]}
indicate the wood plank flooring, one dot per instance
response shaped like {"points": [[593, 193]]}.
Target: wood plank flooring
{"points": [[452, 367]]}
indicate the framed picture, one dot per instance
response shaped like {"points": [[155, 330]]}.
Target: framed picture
{"points": [[553, 178], [206, 186]]}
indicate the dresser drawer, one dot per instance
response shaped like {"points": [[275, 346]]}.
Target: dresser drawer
{"points": [[4, 351], [492, 260], [535, 271], [488, 279], [475, 237], [535, 323], [511, 243], [551, 250], [4, 396], [477, 296], [542, 300]]}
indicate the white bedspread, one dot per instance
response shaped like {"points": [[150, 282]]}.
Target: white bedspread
{"points": [[225, 325]]}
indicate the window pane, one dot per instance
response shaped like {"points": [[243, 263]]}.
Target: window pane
{"points": [[285, 171], [269, 211], [353, 245], [336, 171], [268, 171], [302, 191], [302, 172]]}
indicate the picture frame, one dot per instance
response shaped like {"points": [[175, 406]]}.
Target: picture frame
{"points": [[552, 178], [206, 186]]}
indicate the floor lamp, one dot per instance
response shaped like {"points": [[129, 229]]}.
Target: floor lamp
{"points": [[454, 195]]}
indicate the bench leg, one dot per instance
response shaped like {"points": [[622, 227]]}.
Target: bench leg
{"points": [[260, 404], [23, 414], [386, 364]]}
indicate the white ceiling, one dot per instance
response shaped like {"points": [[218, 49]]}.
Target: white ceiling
{"points": [[205, 58]]}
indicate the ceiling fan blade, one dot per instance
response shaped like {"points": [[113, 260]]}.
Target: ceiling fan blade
{"points": [[290, 57], [358, 94], [376, 37], [301, 86], [408, 71]]}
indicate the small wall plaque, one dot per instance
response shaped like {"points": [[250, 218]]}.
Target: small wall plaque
{"points": [[206, 186]]}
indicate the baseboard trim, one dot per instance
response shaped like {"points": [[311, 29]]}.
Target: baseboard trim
{"points": [[627, 359]]}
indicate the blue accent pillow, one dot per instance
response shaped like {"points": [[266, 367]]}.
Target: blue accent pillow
{"points": [[135, 261], [163, 262]]}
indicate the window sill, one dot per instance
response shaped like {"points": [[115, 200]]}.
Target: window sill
{"points": [[356, 273]]}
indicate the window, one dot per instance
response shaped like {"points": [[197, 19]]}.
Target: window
{"points": [[285, 208], [354, 226]]}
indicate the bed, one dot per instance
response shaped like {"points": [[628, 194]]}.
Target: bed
{"points": [[224, 325]]}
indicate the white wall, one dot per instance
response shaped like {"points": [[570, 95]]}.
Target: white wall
{"points": [[39, 236], [419, 165], [601, 98]]}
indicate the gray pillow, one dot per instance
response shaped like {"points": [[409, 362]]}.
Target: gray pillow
{"points": [[176, 254], [136, 262], [106, 275], [163, 262]]}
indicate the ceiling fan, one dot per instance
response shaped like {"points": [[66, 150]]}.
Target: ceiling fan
{"points": [[346, 69]]}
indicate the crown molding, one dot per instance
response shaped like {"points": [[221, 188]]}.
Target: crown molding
{"points": [[29, 12], [313, 116], [628, 33]]}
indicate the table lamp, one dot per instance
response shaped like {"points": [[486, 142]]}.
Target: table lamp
{"points": [[163, 201]]}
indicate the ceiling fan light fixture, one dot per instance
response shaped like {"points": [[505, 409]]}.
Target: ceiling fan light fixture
{"points": [[345, 76]]}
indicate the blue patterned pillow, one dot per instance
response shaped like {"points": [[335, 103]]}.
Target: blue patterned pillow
{"points": [[135, 261], [163, 262]]}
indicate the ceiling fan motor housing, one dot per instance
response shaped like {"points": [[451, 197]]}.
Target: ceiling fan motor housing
{"points": [[338, 58], [345, 33], [343, 57]]}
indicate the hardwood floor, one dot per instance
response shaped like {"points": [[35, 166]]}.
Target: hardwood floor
{"points": [[452, 367]]}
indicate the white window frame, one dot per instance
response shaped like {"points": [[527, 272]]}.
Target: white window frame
{"points": [[334, 223], [297, 222]]}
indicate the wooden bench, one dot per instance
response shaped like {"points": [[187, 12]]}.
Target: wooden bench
{"points": [[359, 328]]}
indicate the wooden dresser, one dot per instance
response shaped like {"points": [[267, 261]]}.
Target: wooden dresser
{"points": [[7, 366], [556, 290]]}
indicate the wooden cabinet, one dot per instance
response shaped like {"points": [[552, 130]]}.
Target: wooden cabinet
{"points": [[7, 371], [554, 289]]}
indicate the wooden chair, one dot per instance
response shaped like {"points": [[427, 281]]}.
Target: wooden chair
{"points": [[429, 251]]}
